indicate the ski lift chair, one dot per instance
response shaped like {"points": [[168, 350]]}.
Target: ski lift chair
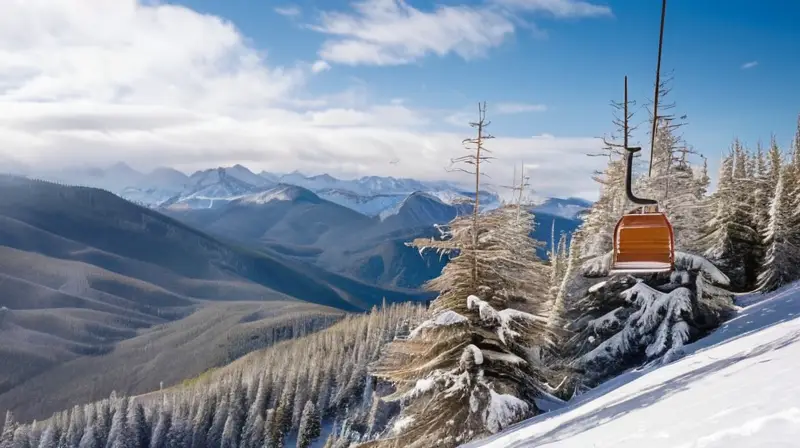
{"points": [[643, 238]]}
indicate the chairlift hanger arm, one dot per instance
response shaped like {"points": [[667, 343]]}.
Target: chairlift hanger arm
{"points": [[631, 152]]}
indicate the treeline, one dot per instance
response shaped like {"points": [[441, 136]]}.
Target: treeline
{"points": [[257, 401]]}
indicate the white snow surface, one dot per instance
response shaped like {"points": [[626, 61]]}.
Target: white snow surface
{"points": [[280, 193], [366, 205], [443, 319], [736, 388]]}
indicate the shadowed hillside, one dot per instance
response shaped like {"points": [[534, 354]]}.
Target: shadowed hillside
{"points": [[87, 279], [295, 222], [99, 228]]}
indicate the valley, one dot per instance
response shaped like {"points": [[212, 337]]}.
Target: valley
{"points": [[91, 283]]}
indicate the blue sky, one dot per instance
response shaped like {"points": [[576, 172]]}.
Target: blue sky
{"points": [[577, 67], [347, 87]]}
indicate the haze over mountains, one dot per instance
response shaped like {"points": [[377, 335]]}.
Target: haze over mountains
{"points": [[354, 227]]}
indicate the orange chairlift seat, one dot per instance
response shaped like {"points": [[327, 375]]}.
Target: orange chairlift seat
{"points": [[643, 238]]}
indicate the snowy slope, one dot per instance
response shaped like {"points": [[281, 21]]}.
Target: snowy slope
{"points": [[738, 387], [367, 205]]}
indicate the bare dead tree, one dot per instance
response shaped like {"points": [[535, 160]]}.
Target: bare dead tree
{"points": [[477, 153], [519, 189]]}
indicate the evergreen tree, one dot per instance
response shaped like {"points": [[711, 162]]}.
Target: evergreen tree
{"points": [[780, 267], [309, 426], [269, 429], [90, 437], [214, 436], [238, 409], [465, 372], [203, 419], [119, 423], [762, 197], [282, 423], [75, 428], [22, 437], [7, 436], [728, 235], [179, 434], [228, 433], [104, 417], [160, 432], [749, 239], [251, 432], [626, 321], [50, 436], [138, 427], [474, 363]]}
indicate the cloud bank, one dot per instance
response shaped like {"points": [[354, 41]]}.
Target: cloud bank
{"points": [[162, 85]]}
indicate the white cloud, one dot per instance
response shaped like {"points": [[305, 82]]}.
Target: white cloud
{"points": [[288, 11], [518, 108], [391, 32], [162, 85], [559, 8], [320, 66], [750, 64]]}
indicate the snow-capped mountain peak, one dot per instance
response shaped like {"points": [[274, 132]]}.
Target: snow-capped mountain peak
{"points": [[569, 208], [282, 192]]}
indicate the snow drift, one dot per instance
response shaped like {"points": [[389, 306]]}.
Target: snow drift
{"points": [[736, 387]]}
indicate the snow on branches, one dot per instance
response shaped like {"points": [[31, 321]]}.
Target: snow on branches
{"points": [[625, 321], [465, 372]]}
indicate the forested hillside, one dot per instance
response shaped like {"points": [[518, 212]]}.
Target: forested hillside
{"points": [[264, 399]]}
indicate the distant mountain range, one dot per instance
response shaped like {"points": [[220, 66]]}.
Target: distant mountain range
{"points": [[354, 227], [207, 188]]}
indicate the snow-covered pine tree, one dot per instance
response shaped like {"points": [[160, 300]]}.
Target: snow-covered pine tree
{"points": [[179, 434], [558, 265], [49, 437], [90, 438], [728, 236], [792, 184], [22, 437], [104, 417], [139, 429], [626, 321], [118, 421], [309, 426], [763, 191], [162, 428], [214, 436], [75, 427], [463, 373], [792, 180], [250, 432], [782, 256], [283, 413], [203, 418], [750, 240], [7, 436]]}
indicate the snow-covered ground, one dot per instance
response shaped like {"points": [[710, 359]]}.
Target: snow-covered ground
{"points": [[738, 387]]}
